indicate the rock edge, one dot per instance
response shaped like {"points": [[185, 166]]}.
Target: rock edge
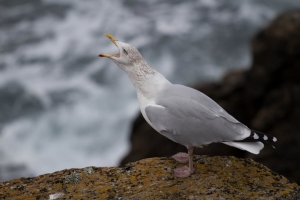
{"points": [[152, 178]]}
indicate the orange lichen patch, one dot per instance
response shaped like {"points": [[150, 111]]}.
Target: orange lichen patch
{"points": [[152, 178]]}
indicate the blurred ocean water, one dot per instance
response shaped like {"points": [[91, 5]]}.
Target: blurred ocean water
{"points": [[62, 107]]}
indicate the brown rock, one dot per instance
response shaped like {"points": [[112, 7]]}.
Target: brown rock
{"points": [[214, 178], [265, 98]]}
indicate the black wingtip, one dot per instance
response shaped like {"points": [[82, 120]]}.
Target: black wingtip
{"points": [[256, 136]]}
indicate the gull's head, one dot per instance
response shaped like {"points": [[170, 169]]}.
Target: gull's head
{"points": [[128, 55]]}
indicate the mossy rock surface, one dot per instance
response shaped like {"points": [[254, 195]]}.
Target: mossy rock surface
{"points": [[152, 178]]}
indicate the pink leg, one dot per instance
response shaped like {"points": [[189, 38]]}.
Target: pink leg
{"points": [[181, 157], [186, 171]]}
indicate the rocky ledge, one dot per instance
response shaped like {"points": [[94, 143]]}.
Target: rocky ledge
{"points": [[152, 178]]}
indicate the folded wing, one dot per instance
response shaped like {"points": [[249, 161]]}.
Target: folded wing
{"points": [[188, 122], [191, 118]]}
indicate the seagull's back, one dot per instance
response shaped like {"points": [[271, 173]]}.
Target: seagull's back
{"points": [[176, 90]]}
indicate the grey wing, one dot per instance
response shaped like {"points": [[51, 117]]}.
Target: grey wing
{"points": [[189, 123], [195, 95]]}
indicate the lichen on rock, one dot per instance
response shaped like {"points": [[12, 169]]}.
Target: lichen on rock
{"points": [[73, 178], [152, 178]]}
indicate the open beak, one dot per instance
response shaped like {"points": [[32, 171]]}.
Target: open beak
{"points": [[113, 39]]}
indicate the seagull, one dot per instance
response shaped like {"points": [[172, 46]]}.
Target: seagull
{"points": [[182, 114]]}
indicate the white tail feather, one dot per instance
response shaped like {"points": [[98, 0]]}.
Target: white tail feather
{"points": [[252, 147]]}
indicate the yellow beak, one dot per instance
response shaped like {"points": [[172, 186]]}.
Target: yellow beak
{"points": [[113, 39]]}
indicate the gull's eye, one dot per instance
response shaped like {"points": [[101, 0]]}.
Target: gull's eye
{"points": [[125, 51]]}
